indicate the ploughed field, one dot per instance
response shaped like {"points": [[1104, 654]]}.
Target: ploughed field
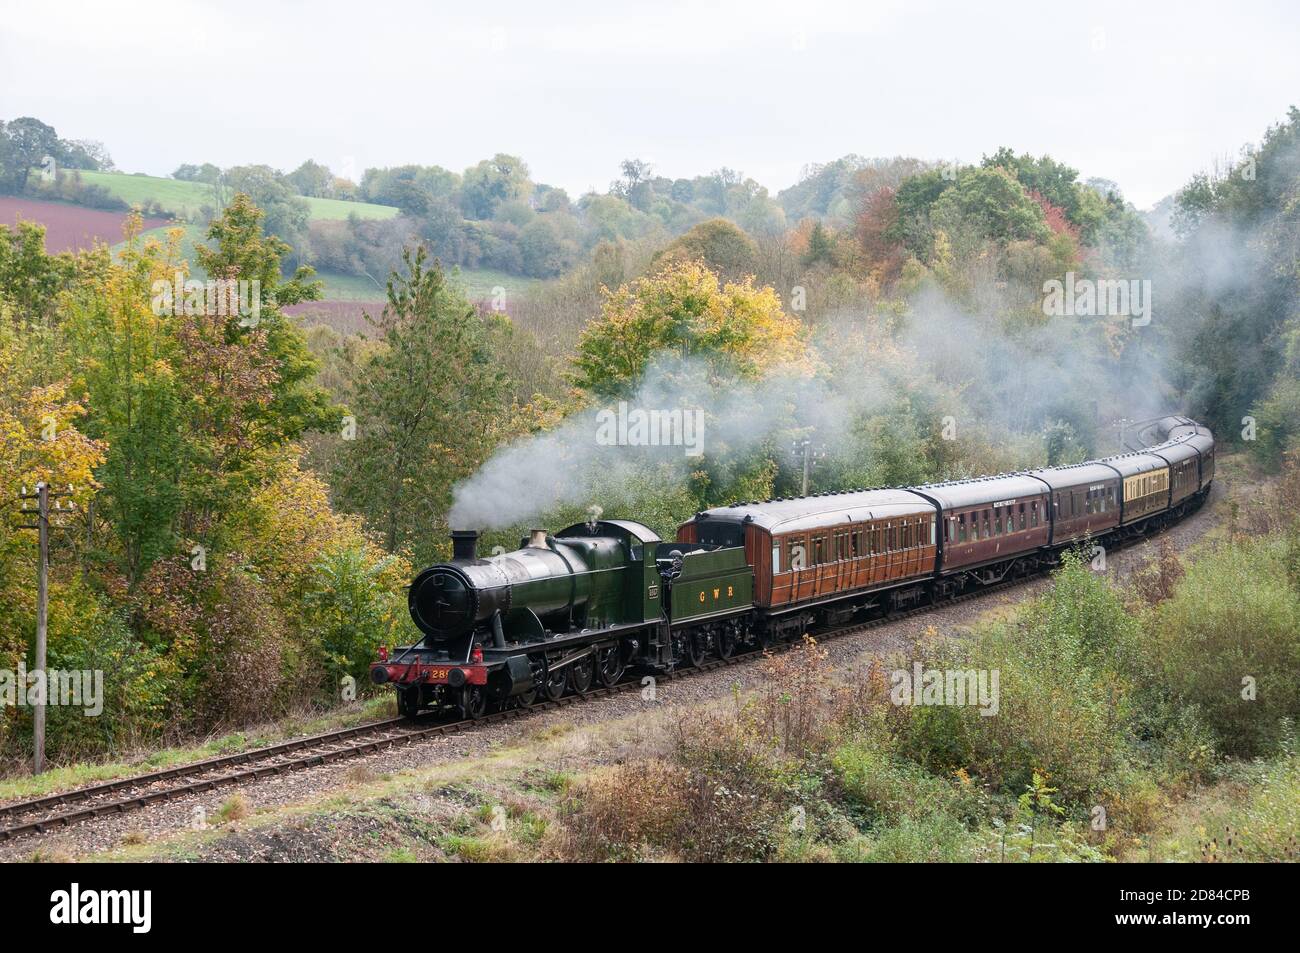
{"points": [[68, 227]]}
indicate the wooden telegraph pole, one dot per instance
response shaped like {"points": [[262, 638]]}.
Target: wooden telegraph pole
{"points": [[42, 527], [803, 448]]}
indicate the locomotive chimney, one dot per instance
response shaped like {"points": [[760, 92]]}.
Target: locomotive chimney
{"points": [[464, 544], [537, 539]]}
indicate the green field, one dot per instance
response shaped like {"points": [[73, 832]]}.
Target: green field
{"points": [[478, 284], [187, 198]]}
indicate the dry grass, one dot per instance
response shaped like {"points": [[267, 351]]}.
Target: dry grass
{"points": [[1156, 579], [234, 808]]}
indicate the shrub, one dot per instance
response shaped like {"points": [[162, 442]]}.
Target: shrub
{"points": [[1063, 707], [625, 811], [353, 607], [1228, 643]]}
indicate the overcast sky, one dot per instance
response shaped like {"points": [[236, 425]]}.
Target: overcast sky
{"points": [[1142, 93]]}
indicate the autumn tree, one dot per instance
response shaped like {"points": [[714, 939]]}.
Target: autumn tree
{"points": [[738, 330], [240, 249], [719, 244], [126, 363]]}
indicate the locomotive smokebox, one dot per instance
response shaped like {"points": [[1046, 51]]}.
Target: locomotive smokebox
{"points": [[464, 544]]}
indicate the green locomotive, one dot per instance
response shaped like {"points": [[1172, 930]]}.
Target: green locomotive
{"points": [[563, 613]]}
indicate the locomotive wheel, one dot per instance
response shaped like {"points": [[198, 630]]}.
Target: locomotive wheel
{"points": [[473, 702], [697, 648], [555, 684], [610, 665], [526, 699], [408, 701], [726, 643], [581, 674]]}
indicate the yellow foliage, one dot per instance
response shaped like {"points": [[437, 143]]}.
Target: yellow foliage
{"points": [[288, 525], [685, 311]]}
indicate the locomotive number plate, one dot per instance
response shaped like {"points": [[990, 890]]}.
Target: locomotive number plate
{"points": [[438, 673]]}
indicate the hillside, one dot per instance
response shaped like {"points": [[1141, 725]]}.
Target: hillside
{"points": [[186, 199]]}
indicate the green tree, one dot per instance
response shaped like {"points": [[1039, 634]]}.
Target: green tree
{"points": [[127, 358], [428, 405], [30, 280], [491, 182], [311, 178], [28, 142], [285, 214]]}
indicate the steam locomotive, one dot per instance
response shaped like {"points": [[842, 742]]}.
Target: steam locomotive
{"points": [[579, 608]]}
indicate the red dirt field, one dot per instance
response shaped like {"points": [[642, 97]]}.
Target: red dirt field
{"points": [[68, 227]]}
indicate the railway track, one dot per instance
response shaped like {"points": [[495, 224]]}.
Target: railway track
{"points": [[42, 815]]}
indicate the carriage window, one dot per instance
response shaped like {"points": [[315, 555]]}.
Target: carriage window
{"points": [[987, 534], [997, 523], [1022, 516], [1033, 513], [798, 553], [933, 532], [776, 558], [961, 528], [819, 551]]}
